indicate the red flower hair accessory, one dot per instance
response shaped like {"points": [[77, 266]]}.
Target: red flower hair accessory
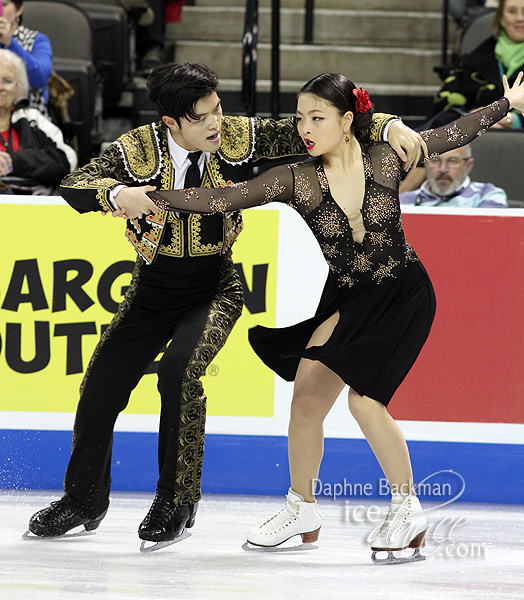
{"points": [[363, 103]]}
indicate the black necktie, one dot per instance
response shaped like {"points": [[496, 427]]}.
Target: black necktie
{"points": [[193, 176]]}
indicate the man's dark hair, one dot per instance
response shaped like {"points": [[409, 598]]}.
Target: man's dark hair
{"points": [[175, 88]]}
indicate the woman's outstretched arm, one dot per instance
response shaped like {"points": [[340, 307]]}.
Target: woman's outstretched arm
{"points": [[273, 185]]}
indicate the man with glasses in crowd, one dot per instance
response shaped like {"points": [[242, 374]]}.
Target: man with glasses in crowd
{"points": [[448, 184]]}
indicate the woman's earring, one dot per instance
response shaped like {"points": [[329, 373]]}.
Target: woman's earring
{"points": [[346, 138]]}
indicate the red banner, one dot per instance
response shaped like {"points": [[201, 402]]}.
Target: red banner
{"points": [[472, 367]]}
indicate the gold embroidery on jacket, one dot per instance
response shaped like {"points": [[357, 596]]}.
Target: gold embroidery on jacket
{"points": [[102, 196], [212, 175], [141, 152], [196, 247], [238, 139], [175, 229], [167, 175], [146, 250]]}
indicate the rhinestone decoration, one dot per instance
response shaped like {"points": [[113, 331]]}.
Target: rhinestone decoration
{"points": [[381, 208], [454, 134], [219, 204], [380, 238], [385, 270], [303, 190], [242, 187], [347, 280], [390, 166], [161, 203], [361, 263], [368, 168], [322, 179], [329, 250], [188, 193], [272, 191], [329, 224]]}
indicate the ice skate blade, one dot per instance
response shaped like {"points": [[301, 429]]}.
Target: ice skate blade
{"points": [[29, 535], [248, 547], [396, 560], [159, 545]]}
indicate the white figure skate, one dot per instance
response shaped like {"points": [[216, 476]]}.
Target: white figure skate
{"points": [[296, 518], [405, 527]]}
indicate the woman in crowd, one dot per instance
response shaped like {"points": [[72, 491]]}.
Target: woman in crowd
{"points": [[33, 155], [32, 47], [477, 80], [376, 309]]}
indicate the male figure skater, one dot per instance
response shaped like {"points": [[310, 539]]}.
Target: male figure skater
{"points": [[184, 291]]}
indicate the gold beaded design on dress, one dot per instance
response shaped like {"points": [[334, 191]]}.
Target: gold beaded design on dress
{"points": [[368, 168], [347, 280], [454, 134], [189, 193], [322, 179], [362, 262], [242, 187], [485, 123], [161, 203], [273, 190], [385, 270], [380, 239], [219, 204], [390, 166], [303, 190], [329, 223], [329, 250], [381, 208]]}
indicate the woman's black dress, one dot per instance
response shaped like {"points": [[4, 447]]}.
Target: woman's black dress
{"points": [[379, 286]]}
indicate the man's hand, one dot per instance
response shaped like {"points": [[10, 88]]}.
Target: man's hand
{"points": [[133, 202], [408, 144]]}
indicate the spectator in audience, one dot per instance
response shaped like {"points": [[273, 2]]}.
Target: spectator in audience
{"points": [[32, 47], [477, 79], [33, 155], [150, 17], [448, 184]]}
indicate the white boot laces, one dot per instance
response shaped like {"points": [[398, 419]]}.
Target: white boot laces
{"points": [[397, 515], [283, 516]]}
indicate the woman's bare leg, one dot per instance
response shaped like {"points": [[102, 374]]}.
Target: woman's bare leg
{"points": [[315, 391], [385, 439]]}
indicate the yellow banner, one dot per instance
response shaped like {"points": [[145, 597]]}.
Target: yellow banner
{"points": [[62, 278]]}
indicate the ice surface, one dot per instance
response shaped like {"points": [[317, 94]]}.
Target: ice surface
{"points": [[474, 551]]}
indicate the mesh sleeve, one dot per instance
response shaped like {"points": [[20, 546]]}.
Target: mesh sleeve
{"points": [[273, 185], [464, 130]]}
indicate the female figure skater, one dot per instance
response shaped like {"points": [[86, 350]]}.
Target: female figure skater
{"points": [[377, 306]]}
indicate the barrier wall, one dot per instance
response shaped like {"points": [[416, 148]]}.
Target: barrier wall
{"points": [[461, 407]]}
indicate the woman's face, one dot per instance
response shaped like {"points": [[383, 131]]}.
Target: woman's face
{"points": [[7, 84], [512, 20], [10, 12], [320, 124]]}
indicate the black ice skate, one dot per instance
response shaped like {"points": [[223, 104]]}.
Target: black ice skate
{"points": [[166, 524], [63, 515]]}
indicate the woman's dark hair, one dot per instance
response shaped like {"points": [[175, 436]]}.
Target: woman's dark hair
{"points": [[175, 88], [497, 27], [338, 90]]}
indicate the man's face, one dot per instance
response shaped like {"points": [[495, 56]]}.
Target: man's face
{"points": [[202, 133], [447, 172]]}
